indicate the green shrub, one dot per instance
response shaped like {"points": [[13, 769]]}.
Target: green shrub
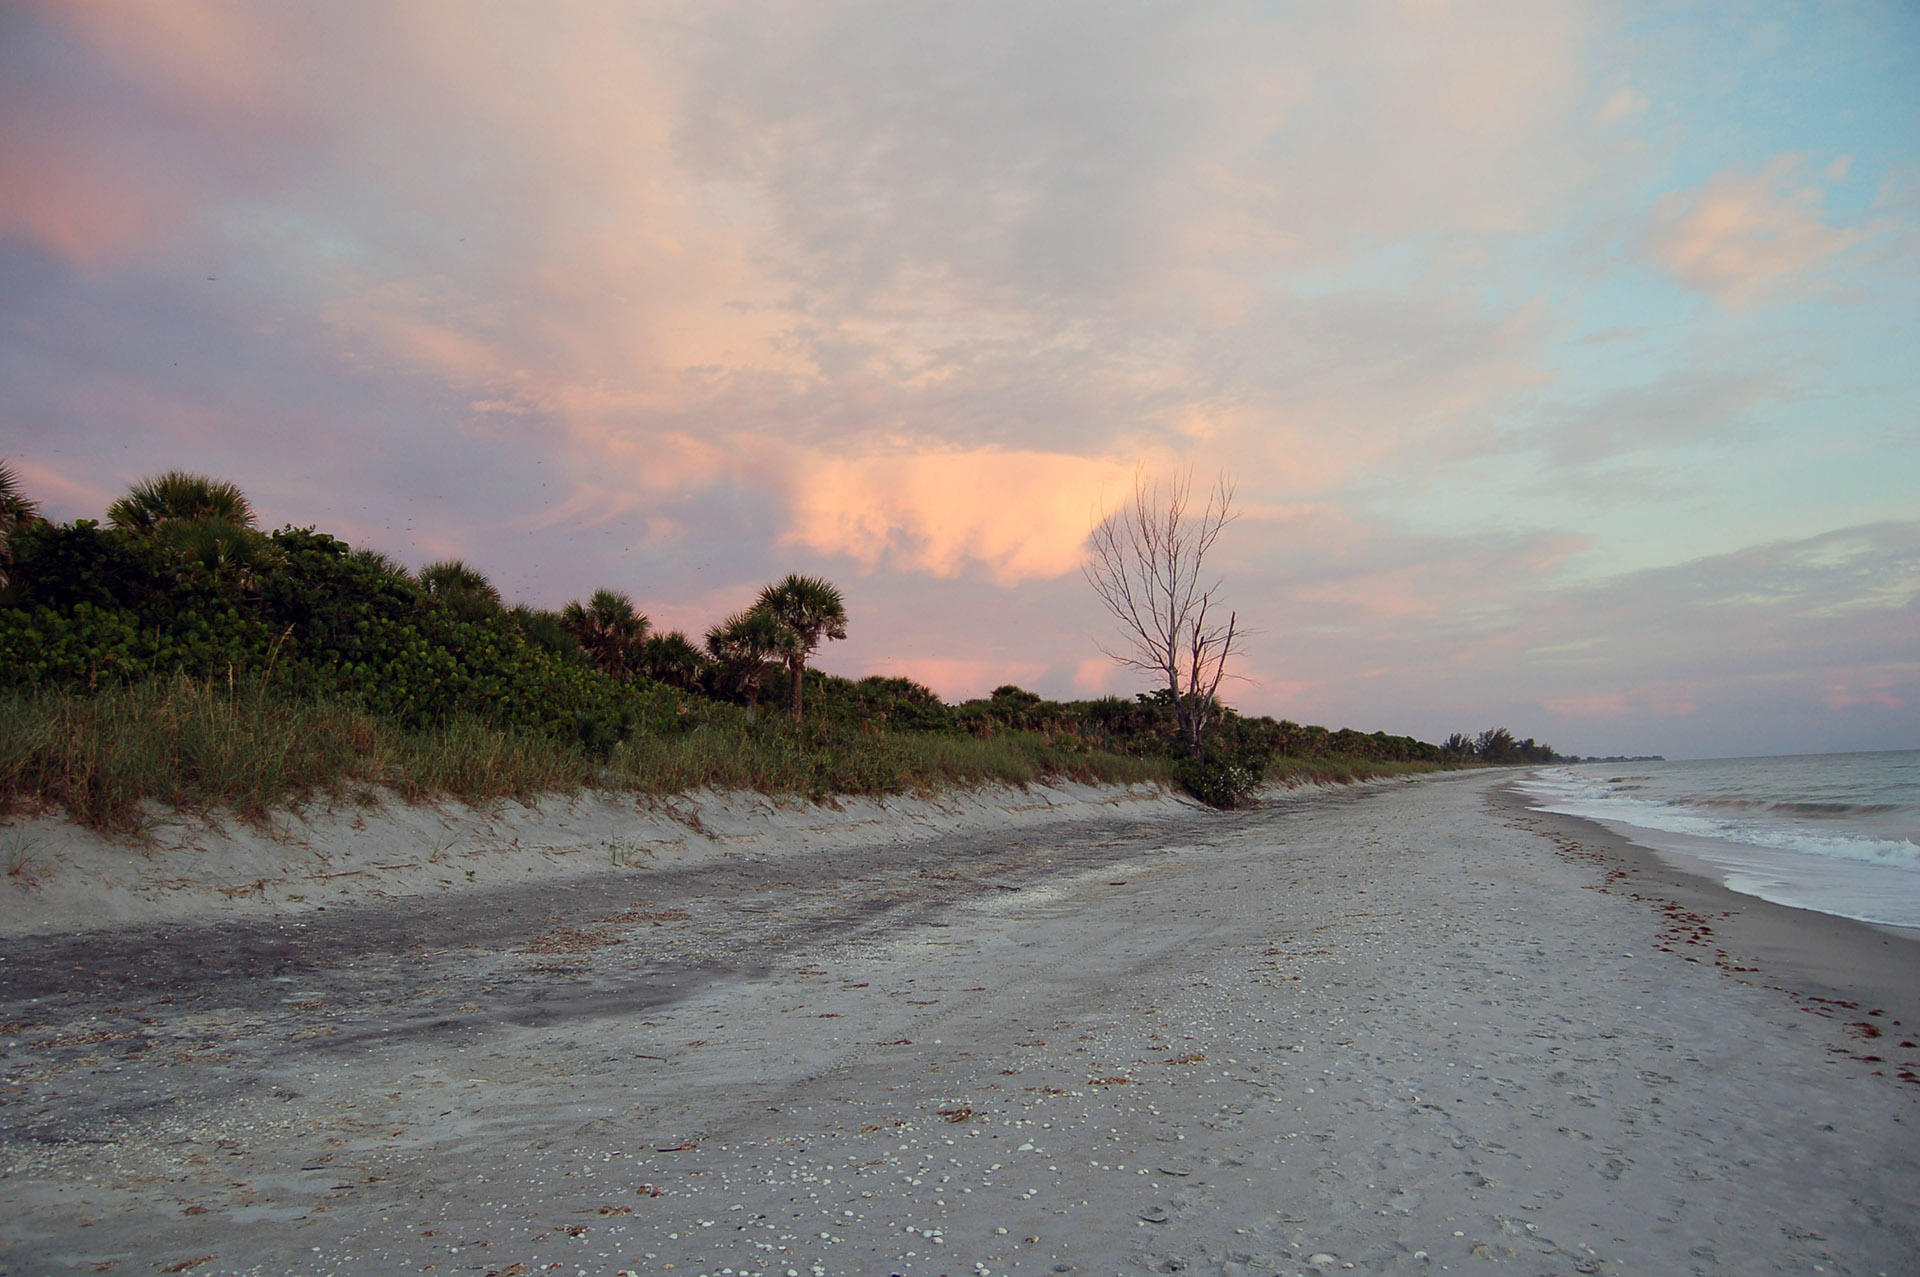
{"points": [[177, 669], [1226, 783]]}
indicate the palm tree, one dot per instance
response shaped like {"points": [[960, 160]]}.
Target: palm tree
{"points": [[219, 545], [608, 629], [813, 610], [16, 511], [178, 497], [545, 630], [468, 594], [669, 658], [201, 519], [745, 643], [381, 563]]}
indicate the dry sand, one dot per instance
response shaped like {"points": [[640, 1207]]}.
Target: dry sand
{"points": [[1399, 1028]]}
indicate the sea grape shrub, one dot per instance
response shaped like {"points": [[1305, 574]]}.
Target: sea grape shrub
{"points": [[1217, 781], [878, 703], [58, 565], [1012, 708], [92, 604], [1147, 717]]}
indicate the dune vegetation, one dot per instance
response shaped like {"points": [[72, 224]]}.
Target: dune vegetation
{"points": [[174, 654]]}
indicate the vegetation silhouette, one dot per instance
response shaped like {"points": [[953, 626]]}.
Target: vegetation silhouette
{"points": [[812, 610], [1149, 569], [109, 631]]}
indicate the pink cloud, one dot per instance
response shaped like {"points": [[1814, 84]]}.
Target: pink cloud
{"points": [[959, 679], [94, 177], [1741, 232], [68, 206], [1845, 696], [1099, 676], [1016, 515], [1611, 706], [58, 496]]}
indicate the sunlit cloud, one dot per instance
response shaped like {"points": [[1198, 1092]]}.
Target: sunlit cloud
{"points": [[1845, 695], [1012, 515], [59, 494], [956, 679], [1741, 232], [1613, 705], [1623, 104]]}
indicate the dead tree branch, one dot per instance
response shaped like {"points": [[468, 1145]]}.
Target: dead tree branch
{"points": [[1148, 565]]}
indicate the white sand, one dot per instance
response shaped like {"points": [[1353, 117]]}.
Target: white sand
{"points": [[194, 868], [1381, 1031]]}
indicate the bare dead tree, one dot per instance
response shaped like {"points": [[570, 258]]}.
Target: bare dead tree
{"points": [[1148, 565]]}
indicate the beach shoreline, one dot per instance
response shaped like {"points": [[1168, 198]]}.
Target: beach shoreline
{"points": [[1859, 973]]}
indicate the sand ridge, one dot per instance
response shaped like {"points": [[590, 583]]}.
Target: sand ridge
{"points": [[192, 867], [1386, 1030]]}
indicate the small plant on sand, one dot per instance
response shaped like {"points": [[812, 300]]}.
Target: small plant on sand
{"points": [[23, 861]]}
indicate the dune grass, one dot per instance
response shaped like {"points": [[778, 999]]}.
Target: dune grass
{"points": [[190, 744], [1344, 771]]}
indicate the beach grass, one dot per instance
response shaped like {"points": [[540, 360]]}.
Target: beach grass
{"points": [[247, 748]]}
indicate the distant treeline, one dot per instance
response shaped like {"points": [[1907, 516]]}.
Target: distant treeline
{"points": [[1498, 746], [178, 583]]}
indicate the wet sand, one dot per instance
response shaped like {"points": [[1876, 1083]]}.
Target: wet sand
{"points": [[1405, 1028]]}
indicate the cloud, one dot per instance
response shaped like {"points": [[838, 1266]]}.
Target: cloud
{"points": [[117, 125], [958, 679], [1668, 659], [1880, 693], [1612, 705], [1741, 232], [1099, 676], [1014, 515], [1686, 406], [58, 495], [1623, 104], [854, 229]]}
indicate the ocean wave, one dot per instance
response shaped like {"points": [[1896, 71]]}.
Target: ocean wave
{"points": [[1839, 834], [1816, 808], [1574, 795]]}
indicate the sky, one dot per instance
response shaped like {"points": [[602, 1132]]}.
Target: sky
{"points": [[1562, 358]]}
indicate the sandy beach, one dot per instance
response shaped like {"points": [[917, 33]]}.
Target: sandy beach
{"points": [[1410, 1027]]}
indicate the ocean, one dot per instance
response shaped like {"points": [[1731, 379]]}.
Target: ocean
{"points": [[1838, 833]]}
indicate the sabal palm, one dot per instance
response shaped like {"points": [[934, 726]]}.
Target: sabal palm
{"points": [[200, 519], [380, 563], [179, 497], [669, 658], [813, 609], [16, 511], [15, 508], [464, 590], [219, 545], [608, 628], [746, 642]]}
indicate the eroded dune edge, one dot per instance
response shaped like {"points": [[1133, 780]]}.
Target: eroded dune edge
{"points": [[202, 868]]}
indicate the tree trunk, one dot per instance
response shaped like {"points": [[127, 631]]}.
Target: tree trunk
{"points": [[799, 668]]}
